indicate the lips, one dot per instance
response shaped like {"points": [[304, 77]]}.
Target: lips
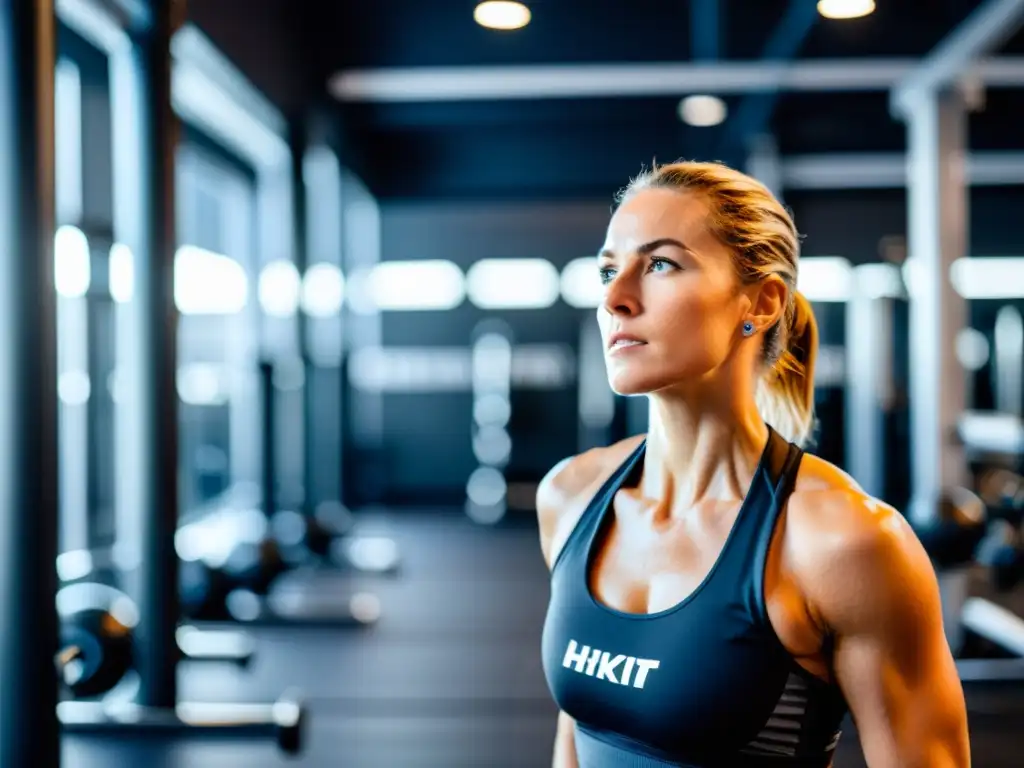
{"points": [[623, 341]]}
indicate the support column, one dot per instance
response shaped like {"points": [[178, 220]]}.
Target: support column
{"points": [[1008, 361], [324, 329], [29, 735], [596, 400], [300, 224], [870, 391], [763, 163], [367, 471], [101, 312], [938, 219], [242, 345], [145, 138], [72, 438]]}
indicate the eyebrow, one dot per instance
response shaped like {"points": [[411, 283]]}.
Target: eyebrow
{"points": [[647, 248]]}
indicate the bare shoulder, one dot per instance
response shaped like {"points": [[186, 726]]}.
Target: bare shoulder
{"points": [[869, 584], [568, 487], [842, 545]]}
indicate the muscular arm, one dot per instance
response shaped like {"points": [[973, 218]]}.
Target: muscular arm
{"points": [[874, 589]]}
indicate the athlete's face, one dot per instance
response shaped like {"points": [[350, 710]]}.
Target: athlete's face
{"points": [[670, 285]]}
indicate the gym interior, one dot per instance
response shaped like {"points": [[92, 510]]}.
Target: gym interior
{"points": [[299, 308]]}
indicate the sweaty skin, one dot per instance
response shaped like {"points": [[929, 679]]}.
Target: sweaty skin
{"points": [[841, 564]]}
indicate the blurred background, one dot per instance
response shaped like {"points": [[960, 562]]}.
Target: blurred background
{"points": [[385, 221]]}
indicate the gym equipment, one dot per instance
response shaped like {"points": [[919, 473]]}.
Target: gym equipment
{"points": [[229, 570], [151, 471], [1002, 550], [96, 645], [284, 720], [1001, 553], [966, 531], [325, 537], [324, 541], [228, 564], [958, 527], [487, 490], [991, 436], [99, 569], [97, 622]]}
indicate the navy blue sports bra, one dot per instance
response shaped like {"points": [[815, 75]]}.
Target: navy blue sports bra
{"points": [[704, 683]]}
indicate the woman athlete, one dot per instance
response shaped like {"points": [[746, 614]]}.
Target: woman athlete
{"points": [[718, 597]]}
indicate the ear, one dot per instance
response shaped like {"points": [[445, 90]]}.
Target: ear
{"points": [[768, 303]]}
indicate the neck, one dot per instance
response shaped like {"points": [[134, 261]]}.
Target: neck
{"points": [[701, 447]]}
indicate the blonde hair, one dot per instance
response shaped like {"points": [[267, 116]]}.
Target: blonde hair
{"points": [[748, 219]]}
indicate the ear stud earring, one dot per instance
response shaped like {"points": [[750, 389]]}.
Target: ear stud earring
{"points": [[748, 328]]}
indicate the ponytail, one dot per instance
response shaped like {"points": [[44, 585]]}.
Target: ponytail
{"points": [[785, 394]]}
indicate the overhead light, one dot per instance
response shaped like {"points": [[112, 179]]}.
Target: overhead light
{"points": [[207, 283], [201, 384], [512, 284], [121, 273], [427, 284], [323, 290], [702, 111], [988, 277], [72, 272], [581, 283], [279, 288], [878, 281], [845, 9], [825, 278], [501, 14]]}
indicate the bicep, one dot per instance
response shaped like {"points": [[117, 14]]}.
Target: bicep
{"points": [[892, 661], [907, 703]]}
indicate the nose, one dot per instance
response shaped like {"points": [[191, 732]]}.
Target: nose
{"points": [[620, 297]]}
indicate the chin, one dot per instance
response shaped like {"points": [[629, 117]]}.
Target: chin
{"points": [[627, 383], [628, 378]]}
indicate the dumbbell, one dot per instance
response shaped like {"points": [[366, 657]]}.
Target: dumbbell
{"points": [[998, 486], [204, 586], [957, 528], [1000, 552], [304, 539], [254, 565], [97, 623], [327, 539], [235, 648]]}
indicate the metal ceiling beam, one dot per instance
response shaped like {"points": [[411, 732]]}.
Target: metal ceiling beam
{"points": [[888, 170], [755, 110], [956, 56], [420, 84]]}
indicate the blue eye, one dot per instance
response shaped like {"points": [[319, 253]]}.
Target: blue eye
{"points": [[660, 263], [606, 275]]}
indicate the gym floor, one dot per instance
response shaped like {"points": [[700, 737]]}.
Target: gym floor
{"points": [[449, 677]]}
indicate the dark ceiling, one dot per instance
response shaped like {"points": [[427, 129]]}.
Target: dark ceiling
{"points": [[587, 147]]}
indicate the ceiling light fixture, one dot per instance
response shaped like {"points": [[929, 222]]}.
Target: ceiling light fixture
{"points": [[501, 14], [845, 9], [702, 111]]}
